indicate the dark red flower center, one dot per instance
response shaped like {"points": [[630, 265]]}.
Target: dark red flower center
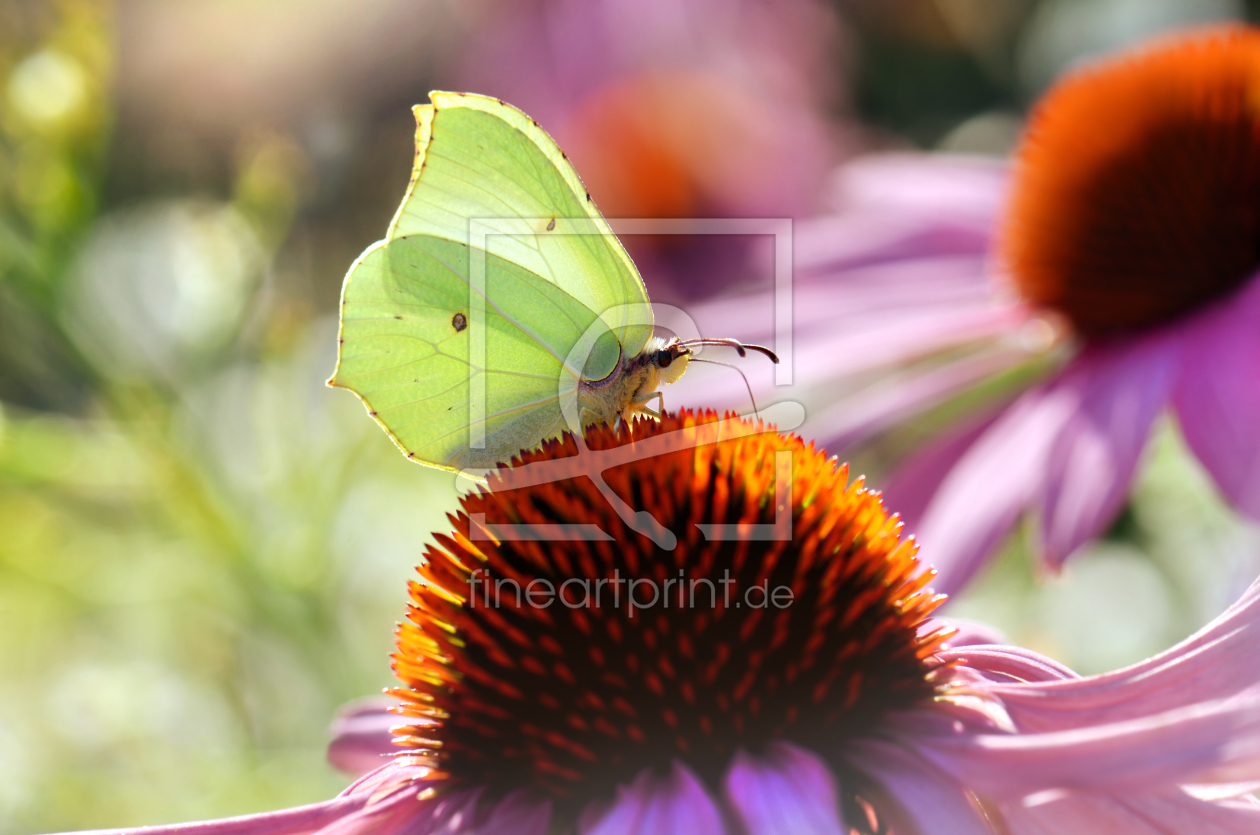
{"points": [[1136, 195], [631, 654]]}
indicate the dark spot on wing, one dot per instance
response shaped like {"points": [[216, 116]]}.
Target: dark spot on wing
{"points": [[396, 316], [588, 197], [551, 225], [459, 321]]}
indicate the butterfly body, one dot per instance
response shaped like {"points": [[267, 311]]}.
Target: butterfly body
{"points": [[634, 383]]}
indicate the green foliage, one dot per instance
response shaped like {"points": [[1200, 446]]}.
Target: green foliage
{"points": [[204, 549]]}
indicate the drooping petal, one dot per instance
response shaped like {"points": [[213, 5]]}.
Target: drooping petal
{"points": [[297, 821], [935, 802], [396, 799], [1215, 663], [361, 735], [989, 488], [375, 797], [674, 805], [1218, 395], [1118, 390], [1006, 664], [1154, 813], [789, 791], [1212, 742]]}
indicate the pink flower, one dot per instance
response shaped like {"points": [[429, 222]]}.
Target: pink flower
{"points": [[1125, 243], [849, 710]]}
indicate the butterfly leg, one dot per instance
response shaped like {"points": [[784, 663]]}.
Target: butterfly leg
{"points": [[640, 404], [590, 417]]}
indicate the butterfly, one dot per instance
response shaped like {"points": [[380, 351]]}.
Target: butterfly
{"points": [[500, 309]]}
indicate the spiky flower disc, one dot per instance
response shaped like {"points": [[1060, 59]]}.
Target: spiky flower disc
{"points": [[574, 699]]}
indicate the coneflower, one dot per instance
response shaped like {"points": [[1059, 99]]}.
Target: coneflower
{"points": [[1129, 226], [571, 666]]}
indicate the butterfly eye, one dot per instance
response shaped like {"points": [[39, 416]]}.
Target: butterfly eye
{"points": [[664, 358]]}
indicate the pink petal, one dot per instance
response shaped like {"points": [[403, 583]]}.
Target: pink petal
{"points": [[1118, 390], [898, 336], [361, 735], [1139, 814], [403, 814], [865, 298], [517, 814], [909, 491], [981, 498], [841, 242], [789, 791], [1212, 742], [674, 805], [903, 206], [1217, 662], [377, 796], [877, 407], [931, 799], [296, 821], [934, 187], [1006, 664], [1218, 395]]}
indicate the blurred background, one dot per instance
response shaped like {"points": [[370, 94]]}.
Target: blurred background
{"points": [[203, 550]]}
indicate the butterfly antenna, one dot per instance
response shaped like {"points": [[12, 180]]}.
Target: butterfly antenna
{"points": [[740, 348], [741, 373]]}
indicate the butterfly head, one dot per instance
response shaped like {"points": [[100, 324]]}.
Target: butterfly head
{"points": [[670, 360]]}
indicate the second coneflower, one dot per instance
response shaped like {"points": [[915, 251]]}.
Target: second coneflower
{"points": [[1131, 221]]}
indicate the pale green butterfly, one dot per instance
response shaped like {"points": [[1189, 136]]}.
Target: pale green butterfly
{"points": [[500, 309]]}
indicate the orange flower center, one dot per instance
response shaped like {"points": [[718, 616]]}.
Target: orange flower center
{"points": [[1136, 194], [629, 654]]}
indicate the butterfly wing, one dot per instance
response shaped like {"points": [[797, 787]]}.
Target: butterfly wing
{"points": [[487, 175], [407, 351], [499, 286]]}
